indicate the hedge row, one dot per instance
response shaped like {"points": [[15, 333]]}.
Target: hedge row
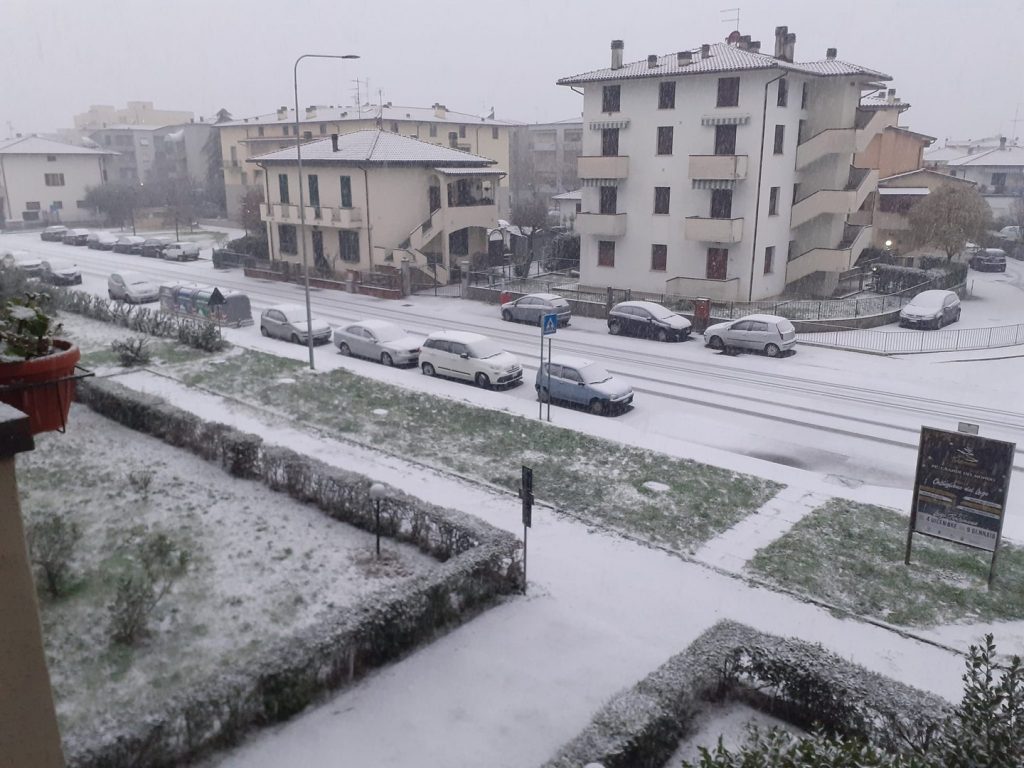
{"points": [[792, 679], [479, 564]]}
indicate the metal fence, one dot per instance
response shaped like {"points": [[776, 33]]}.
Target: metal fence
{"points": [[912, 342]]}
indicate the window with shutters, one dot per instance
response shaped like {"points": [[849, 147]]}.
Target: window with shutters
{"points": [[662, 198], [725, 139], [783, 95], [282, 188], [610, 98], [610, 142], [287, 238], [659, 257], [54, 179], [609, 200], [346, 191], [721, 204], [773, 201], [606, 253], [348, 245], [780, 139], [667, 95], [769, 259], [717, 263], [314, 190], [728, 92], [665, 134]]}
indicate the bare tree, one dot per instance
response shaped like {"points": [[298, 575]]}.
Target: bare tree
{"points": [[251, 219], [948, 217], [531, 216]]}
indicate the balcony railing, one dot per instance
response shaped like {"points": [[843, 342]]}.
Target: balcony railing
{"points": [[602, 224], [709, 230], [603, 167], [726, 167]]}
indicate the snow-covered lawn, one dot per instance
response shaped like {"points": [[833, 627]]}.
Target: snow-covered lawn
{"points": [[263, 567], [731, 722]]}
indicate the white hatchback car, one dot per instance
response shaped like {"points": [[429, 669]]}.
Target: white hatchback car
{"points": [[470, 357], [770, 334], [131, 287], [180, 252]]}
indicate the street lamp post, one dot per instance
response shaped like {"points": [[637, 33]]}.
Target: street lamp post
{"points": [[377, 492], [302, 200]]}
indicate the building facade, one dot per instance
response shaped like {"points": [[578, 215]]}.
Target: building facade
{"points": [[179, 152], [254, 136], [723, 171], [995, 165], [132, 149], [375, 198], [44, 182], [896, 196], [133, 113], [544, 159]]}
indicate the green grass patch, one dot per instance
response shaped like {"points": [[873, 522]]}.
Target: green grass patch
{"points": [[166, 352], [851, 555], [600, 480]]}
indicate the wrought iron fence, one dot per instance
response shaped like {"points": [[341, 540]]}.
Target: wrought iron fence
{"points": [[913, 342]]}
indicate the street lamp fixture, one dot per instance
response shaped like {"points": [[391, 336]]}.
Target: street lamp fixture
{"points": [[302, 200], [377, 492]]}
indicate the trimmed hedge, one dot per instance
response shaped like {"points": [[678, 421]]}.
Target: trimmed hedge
{"points": [[479, 565], [795, 680]]}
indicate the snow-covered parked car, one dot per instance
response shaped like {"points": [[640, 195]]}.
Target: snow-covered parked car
{"points": [[288, 321], [23, 261], [770, 334], [180, 252], [647, 320], [131, 287], [931, 309], [469, 357], [378, 340], [583, 383], [60, 273]]}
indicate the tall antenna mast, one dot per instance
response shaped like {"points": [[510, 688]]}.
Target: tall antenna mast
{"points": [[1016, 119], [359, 94], [733, 18]]}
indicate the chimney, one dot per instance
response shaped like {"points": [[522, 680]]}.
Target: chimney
{"points": [[789, 46], [755, 46], [831, 53], [617, 47], [334, 142], [705, 51], [652, 61], [890, 96], [745, 42], [440, 111], [780, 41], [1002, 142], [282, 113], [684, 58], [311, 112]]}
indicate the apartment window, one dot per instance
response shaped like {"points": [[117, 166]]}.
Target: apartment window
{"points": [[462, 131], [783, 96], [81, 204], [665, 140], [721, 204], [494, 132], [610, 98], [346, 191], [433, 130], [458, 242], [323, 129], [288, 240], [728, 92], [609, 200], [394, 128], [769, 258], [801, 132], [606, 253], [453, 139], [257, 176], [57, 205], [259, 131], [998, 179], [307, 135], [610, 142], [667, 95], [662, 197], [282, 188], [803, 97], [51, 158], [780, 139], [234, 154], [245, 178], [659, 258], [30, 215], [314, 190], [717, 264], [796, 193], [725, 139], [773, 201], [348, 245], [54, 179], [791, 250], [286, 130]]}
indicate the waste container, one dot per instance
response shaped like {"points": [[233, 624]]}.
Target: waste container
{"points": [[701, 314], [505, 297]]}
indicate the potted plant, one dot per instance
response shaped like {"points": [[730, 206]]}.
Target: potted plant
{"points": [[36, 369]]}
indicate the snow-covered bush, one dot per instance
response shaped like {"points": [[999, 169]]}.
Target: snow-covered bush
{"points": [[156, 561], [51, 543], [132, 351]]}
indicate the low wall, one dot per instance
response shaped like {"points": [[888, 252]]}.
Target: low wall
{"points": [[795, 680], [493, 296], [479, 564]]}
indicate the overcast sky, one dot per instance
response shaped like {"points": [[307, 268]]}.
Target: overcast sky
{"points": [[963, 71]]}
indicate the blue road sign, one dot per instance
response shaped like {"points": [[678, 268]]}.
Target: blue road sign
{"points": [[550, 324]]}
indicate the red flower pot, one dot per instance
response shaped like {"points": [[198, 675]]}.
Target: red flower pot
{"points": [[40, 387]]}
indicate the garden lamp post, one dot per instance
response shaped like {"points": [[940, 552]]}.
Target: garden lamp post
{"points": [[377, 492], [302, 201]]}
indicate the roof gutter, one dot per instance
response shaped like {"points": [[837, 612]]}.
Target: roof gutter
{"points": [[760, 174]]}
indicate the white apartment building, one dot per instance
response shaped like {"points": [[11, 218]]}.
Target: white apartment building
{"points": [[724, 172], [252, 136], [373, 198], [995, 165], [44, 181]]}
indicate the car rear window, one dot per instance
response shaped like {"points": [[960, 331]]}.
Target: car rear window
{"points": [[786, 327], [559, 303]]}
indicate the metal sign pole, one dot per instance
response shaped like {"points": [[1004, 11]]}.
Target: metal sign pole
{"points": [[549, 378], [540, 400], [526, 494], [913, 501]]}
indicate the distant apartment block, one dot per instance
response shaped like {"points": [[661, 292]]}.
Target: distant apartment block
{"points": [[725, 172], [253, 136], [995, 164], [544, 159], [133, 113]]}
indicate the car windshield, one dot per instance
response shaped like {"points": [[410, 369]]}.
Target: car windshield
{"points": [[928, 301], [388, 333], [594, 374], [294, 314], [660, 312], [140, 281], [484, 349]]}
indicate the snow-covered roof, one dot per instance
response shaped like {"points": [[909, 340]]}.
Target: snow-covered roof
{"points": [[722, 57], [903, 190], [470, 171], [991, 158], [883, 102], [576, 194], [387, 113], [944, 177], [376, 148], [37, 145]]}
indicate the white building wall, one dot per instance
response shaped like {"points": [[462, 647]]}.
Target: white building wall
{"points": [[24, 179]]}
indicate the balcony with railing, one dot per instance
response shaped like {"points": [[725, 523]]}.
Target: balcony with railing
{"points": [[719, 167], [843, 141], [710, 230], [602, 166], [601, 224], [716, 290], [838, 259], [836, 202], [284, 213]]}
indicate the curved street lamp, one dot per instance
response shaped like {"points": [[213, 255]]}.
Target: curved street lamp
{"points": [[302, 199]]}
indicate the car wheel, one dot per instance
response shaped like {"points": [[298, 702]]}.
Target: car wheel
{"points": [[428, 369], [343, 348], [506, 315], [662, 335], [482, 381], [772, 350], [110, 295], [614, 328], [385, 359], [937, 324], [715, 342], [263, 330], [295, 338], [542, 394], [957, 318], [597, 407]]}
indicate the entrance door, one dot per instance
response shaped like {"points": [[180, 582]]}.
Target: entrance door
{"points": [[318, 251]]}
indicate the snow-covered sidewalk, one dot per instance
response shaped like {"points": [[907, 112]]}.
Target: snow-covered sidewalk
{"points": [[515, 683]]}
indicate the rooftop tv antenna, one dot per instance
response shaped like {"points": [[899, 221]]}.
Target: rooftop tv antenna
{"points": [[360, 84], [733, 18]]}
